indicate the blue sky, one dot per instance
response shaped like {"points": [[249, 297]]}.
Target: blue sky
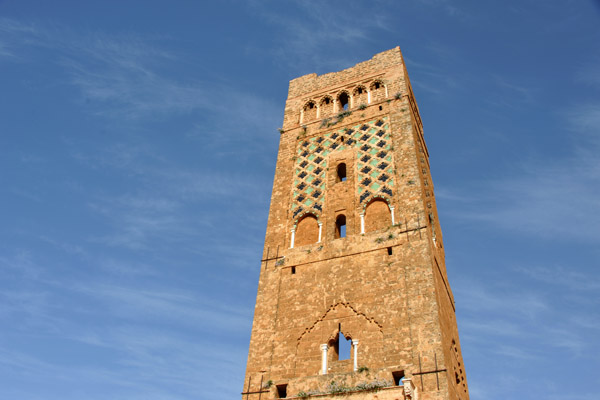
{"points": [[139, 142]]}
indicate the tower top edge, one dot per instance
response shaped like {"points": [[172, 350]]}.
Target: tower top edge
{"points": [[379, 62]]}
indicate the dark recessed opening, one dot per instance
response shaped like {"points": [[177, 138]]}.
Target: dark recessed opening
{"points": [[359, 90], [340, 227], [344, 100], [389, 251], [310, 105], [293, 270], [377, 85], [398, 376], [341, 172], [457, 378], [380, 108], [282, 391], [326, 100]]}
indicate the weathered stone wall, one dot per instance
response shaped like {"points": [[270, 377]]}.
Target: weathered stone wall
{"points": [[387, 287]]}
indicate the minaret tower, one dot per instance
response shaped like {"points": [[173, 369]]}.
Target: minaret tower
{"points": [[353, 293]]}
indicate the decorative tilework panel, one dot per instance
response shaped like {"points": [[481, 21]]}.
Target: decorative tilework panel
{"points": [[374, 164]]}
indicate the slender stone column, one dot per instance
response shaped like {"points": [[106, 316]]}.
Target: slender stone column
{"points": [[324, 359], [355, 344], [302, 115], [362, 223], [392, 211], [386, 92], [369, 96], [293, 237], [320, 230]]}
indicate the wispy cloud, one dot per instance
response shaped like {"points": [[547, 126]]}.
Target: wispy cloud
{"points": [[325, 27], [122, 76], [548, 199], [146, 347]]}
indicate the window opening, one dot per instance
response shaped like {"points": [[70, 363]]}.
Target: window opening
{"points": [[282, 391], [344, 346], [398, 376], [377, 85], [326, 100], [340, 227], [341, 173], [293, 270], [359, 90], [343, 100], [380, 108], [389, 251]]}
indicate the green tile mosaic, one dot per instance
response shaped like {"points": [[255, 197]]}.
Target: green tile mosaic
{"points": [[364, 140]]}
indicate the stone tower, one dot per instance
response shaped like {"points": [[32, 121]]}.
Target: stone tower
{"points": [[353, 293]]}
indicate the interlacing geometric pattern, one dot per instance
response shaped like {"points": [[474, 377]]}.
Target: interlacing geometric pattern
{"points": [[375, 164]]}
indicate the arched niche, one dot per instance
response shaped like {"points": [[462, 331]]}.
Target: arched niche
{"points": [[307, 230], [377, 215], [360, 96], [326, 106], [377, 91], [309, 111]]}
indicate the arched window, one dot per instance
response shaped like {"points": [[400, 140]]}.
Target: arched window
{"points": [[377, 216], [341, 347], [344, 101], [340, 227], [307, 231], [341, 172], [344, 347]]}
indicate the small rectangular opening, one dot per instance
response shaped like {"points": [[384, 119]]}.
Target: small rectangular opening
{"points": [[293, 270], [380, 108], [282, 391], [398, 376], [389, 251]]}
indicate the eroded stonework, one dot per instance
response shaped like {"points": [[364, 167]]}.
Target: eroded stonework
{"points": [[353, 251]]}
